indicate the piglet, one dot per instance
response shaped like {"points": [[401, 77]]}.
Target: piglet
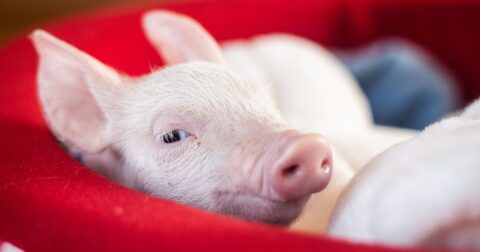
{"points": [[194, 131], [422, 192]]}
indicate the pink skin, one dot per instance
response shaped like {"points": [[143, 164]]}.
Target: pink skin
{"points": [[302, 168], [278, 171], [290, 166], [236, 156], [285, 168]]}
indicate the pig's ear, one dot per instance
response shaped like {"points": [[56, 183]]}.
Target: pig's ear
{"points": [[178, 38], [472, 111], [76, 92]]}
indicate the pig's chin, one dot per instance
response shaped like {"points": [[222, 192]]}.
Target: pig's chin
{"points": [[259, 209]]}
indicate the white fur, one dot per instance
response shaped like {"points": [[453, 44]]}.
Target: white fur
{"points": [[423, 192], [216, 106], [315, 93], [116, 122]]}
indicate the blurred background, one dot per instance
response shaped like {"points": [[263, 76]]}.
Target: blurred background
{"points": [[20, 16], [403, 81]]}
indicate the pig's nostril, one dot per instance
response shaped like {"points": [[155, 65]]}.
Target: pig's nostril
{"points": [[326, 165], [290, 170]]}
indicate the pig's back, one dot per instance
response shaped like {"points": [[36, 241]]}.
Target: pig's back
{"points": [[313, 90]]}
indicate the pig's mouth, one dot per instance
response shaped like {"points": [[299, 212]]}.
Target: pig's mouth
{"points": [[260, 209]]}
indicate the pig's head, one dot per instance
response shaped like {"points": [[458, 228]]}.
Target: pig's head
{"points": [[422, 192], [194, 131]]}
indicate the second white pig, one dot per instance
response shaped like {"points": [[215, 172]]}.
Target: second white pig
{"points": [[422, 192]]}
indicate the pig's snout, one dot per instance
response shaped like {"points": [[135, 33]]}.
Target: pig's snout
{"points": [[304, 167]]}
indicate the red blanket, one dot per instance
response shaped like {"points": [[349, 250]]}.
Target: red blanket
{"points": [[49, 202]]}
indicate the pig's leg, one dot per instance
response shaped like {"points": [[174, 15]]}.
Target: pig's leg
{"points": [[423, 192]]}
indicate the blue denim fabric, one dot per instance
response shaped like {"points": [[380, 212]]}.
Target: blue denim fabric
{"points": [[405, 86]]}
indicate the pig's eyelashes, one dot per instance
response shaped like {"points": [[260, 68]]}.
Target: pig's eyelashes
{"points": [[175, 136]]}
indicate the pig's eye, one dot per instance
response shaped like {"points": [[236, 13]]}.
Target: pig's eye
{"points": [[175, 136]]}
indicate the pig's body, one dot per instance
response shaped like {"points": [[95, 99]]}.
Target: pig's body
{"points": [[203, 135], [422, 192], [314, 92]]}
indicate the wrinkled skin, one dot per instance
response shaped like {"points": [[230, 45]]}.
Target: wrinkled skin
{"points": [[422, 192]]}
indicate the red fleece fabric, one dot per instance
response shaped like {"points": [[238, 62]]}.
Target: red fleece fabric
{"points": [[50, 202]]}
